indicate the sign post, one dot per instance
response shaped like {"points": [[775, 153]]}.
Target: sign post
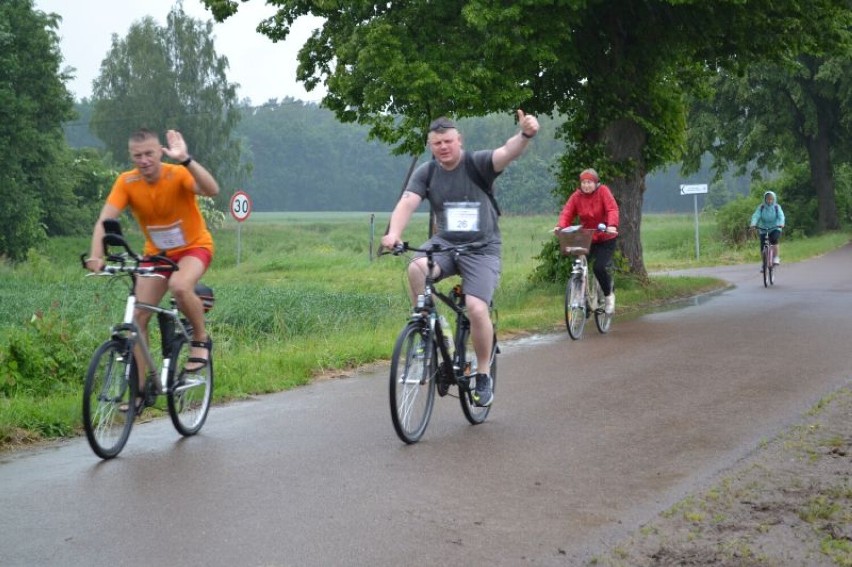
{"points": [[240, 210], [694, 190]]}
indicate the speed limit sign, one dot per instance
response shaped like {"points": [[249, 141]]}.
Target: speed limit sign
{"points": [[240, 206]]}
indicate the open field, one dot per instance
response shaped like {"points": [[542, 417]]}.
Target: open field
{"points": [[299, 295]]}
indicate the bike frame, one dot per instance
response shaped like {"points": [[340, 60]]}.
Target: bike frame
{"points": [[129, 330], [462, 326]]}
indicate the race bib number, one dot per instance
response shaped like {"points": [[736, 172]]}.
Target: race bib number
{"points": [[167, 237], [462, 217]]}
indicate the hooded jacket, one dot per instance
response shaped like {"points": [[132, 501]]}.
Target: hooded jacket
{"points": [[768, 217]]}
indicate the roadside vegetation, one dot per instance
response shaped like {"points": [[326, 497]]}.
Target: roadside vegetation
{"points": [[306, 299]]}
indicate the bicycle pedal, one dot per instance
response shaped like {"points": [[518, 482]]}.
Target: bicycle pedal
{"points": [[442, 388]]}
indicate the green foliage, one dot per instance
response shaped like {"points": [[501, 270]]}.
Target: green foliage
{"points": [[164, 78], [732, 219], [781, 116], [553, 266], [396, 66], [212, 216], [33, 104], [42, 358]]}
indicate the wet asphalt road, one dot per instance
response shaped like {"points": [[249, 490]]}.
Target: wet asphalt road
{"points": [[587, 440]]}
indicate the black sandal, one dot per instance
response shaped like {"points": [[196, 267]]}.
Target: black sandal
{"points": [[208, 344]]}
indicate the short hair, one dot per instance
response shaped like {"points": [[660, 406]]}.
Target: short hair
{"points": [[441, 124], [143, 134]]}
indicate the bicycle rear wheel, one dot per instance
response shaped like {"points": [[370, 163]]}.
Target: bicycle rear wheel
{"points": [[575, 308], [603, 320], [476, 414], [108, 395], [771, 274], [412, 381], [189, 393]]}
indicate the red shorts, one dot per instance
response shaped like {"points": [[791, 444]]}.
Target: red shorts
{"points": [[202, 254]]}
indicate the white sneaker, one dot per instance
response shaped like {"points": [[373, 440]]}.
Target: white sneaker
{"points": [[609, 303]]}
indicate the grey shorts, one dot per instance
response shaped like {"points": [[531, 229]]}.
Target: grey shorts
{"points": [[480, 273]]}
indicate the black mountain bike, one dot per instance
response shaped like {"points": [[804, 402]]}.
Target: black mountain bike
{"points": [[111, 395], [428, 359]]}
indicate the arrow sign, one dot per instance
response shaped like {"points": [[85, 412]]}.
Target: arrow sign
{"points": [[693, 189]]}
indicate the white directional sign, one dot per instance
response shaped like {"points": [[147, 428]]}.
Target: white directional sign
{"points": [[240, 206], [693, 189]]}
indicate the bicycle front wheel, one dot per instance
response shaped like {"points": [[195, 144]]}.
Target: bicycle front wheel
{"points": [[476, 414], [766, 266], [412, 381], [189, 392], [108, 395], [575, 307], [603, 320]]}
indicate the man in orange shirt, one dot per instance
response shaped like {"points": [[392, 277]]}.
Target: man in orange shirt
{"points": [[162, 198]]}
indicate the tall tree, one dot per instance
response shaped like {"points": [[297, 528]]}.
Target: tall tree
{"points": [[617, 68], [33, 104], [780, 114], [163, 78]]}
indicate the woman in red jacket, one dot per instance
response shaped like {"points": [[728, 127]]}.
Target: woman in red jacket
{"points": [[594, 204]]}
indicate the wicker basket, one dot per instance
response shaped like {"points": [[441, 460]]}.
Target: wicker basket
{"points": [[575, 242]]}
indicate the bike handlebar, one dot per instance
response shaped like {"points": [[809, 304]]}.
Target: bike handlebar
{"points": [[130, 262], [435, 248]]}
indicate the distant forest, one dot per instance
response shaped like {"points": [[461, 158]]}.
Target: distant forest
{"points": [[303, 159]]}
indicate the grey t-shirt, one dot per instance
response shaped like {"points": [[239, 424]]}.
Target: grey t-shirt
{"points": [[463, 211]]}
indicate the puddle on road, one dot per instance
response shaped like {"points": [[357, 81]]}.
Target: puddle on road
{"points": [[548, 338]]}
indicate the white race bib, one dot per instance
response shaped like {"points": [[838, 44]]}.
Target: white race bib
{"points": [[167, 237], [462, 217]]}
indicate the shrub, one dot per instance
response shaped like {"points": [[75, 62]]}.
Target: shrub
{"points": [[732, 219], [42, 358]]}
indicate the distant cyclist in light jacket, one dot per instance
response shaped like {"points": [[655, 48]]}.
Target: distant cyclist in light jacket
{"points": [[594, 204], [769, 219]]}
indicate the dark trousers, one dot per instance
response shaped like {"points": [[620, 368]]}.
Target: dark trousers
{"points": [[774, 237], [601, 253]]}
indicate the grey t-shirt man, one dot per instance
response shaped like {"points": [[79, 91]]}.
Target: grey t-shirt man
{"points": [[463, 211]]}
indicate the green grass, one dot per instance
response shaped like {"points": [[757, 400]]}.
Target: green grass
{"points": [[307, 297]]}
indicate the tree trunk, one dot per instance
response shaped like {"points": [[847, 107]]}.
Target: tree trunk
{"points": [[822, 174], [624, 140]]}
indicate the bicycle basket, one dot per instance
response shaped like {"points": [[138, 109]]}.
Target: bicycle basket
{"points": [[575, 242], [206, 295]]}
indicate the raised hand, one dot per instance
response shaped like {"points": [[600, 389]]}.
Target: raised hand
{"points": [[176, 146], [528, 124]]}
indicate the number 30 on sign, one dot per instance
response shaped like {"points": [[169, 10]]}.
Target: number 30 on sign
{"points": [[240, 206]]}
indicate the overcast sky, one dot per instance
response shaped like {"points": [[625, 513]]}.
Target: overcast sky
{"points": [[263, 69]]}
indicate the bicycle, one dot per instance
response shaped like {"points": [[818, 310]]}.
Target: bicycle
{"points": [[767, 256], [415, 373], [583, 293], [111, 387]]}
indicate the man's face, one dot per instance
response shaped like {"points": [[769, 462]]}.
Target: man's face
{"points": [[147, 156], [446, 147], [769, 200]]}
